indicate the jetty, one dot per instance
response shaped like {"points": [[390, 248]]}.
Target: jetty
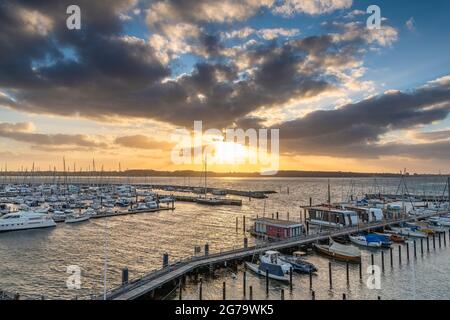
{"points": [[147, 284]]}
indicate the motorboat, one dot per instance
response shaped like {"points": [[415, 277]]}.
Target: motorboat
{"points": [[385, 239], [77, 218], [366, 241], [274, 257], [408, 232], [299, 265], [152, 205], [341, 252], [444, 221], [393, 237], [24, 220], [210, 201], [271, 270]]}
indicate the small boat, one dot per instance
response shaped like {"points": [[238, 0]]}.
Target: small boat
{"points": [[366, 241], [393, 237], [408, 232], [346, 253], [273, 271], [299, 265], [422, 227], [77, 218], [210, 201], [443, 221], [385, 240], [274, 257]]}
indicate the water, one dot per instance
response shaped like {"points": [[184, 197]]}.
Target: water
{"points": [[35, 262]]}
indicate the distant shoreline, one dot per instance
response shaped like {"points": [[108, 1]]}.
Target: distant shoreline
{"points": [[191, 173]]}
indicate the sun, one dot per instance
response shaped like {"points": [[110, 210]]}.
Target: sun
{"points": [[230, 153]]}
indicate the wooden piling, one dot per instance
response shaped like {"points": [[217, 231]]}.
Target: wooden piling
{"points": [[421, 246], [347, 269], [439, 236], [330, 275], [250, 293], [200, 290], [267, 282], [282, 294], [224, 290], [165, 260], [434, 243], [382, 261], [372, 260], [237, 225], [344, 296], [400, 254], [244, 283], [428, 244], [415, 249], [124, 275], [243, 224], [445, 239], [360, 270], [392, 256], [407, 251], [313, 295], [310, 280], [290, 279]]}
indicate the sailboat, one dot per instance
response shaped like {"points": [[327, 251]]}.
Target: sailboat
{"points": [[213, 201], [340, 252]]}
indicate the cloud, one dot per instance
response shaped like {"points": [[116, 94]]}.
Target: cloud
{"points": [[23, 132], [311, 7], [142, 142], [356, 130], [433, 135], [411, 24]]}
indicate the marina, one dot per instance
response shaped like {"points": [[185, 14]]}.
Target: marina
{"points": [[251, 234]]}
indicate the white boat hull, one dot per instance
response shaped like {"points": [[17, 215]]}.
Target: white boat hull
{"points": [[39, 225], [255, 268], [78, 220]]}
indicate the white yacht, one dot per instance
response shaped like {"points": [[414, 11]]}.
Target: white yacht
{"points": [[23, 220]]}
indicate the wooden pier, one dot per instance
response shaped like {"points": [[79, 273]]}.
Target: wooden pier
{"points": [[171, 273]]}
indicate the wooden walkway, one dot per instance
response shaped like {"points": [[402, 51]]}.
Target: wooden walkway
{"points": [[157, 279]]}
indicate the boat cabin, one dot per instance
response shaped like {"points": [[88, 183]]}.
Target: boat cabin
{"points": [[331, 217], [277, 229], [367, 214]]}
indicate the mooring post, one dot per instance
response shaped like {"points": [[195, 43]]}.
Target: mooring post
{"points": [[415, 249], [392, 256], [360, 271], [330, 275], [165, 260], [224, 290], [428, 244], [310, 201], [250, 293], [288, 216], [125, 275], [282, 294], [407, 251], [244, 283], [267, 282], [310, 280], [421, 246], [313, 295], [243, 224], [277, 215], [206, 249], [400, 254], [290, 278], [445, 239], [180, 287], [237, 224], [200, 290], [347, 273], [245, 242], [434, 243], [382, 261], [372, 260], [439, 236], [344, 297]]}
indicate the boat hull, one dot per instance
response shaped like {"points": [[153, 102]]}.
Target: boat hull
{"points": [[335, 255], [255, 268]]}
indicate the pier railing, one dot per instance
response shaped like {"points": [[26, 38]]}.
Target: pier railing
{"points": [[199, 261]]}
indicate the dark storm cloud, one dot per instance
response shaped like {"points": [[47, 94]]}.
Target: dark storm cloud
{"points": [[355, 129], [111, 75]]}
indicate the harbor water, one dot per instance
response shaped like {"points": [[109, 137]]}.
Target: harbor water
{"points": [[35, 263]]}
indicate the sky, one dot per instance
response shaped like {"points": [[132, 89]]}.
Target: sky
{"points": [[343, 97]]}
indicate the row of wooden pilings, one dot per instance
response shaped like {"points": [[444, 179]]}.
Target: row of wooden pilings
{"points": [[430, 242]]}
